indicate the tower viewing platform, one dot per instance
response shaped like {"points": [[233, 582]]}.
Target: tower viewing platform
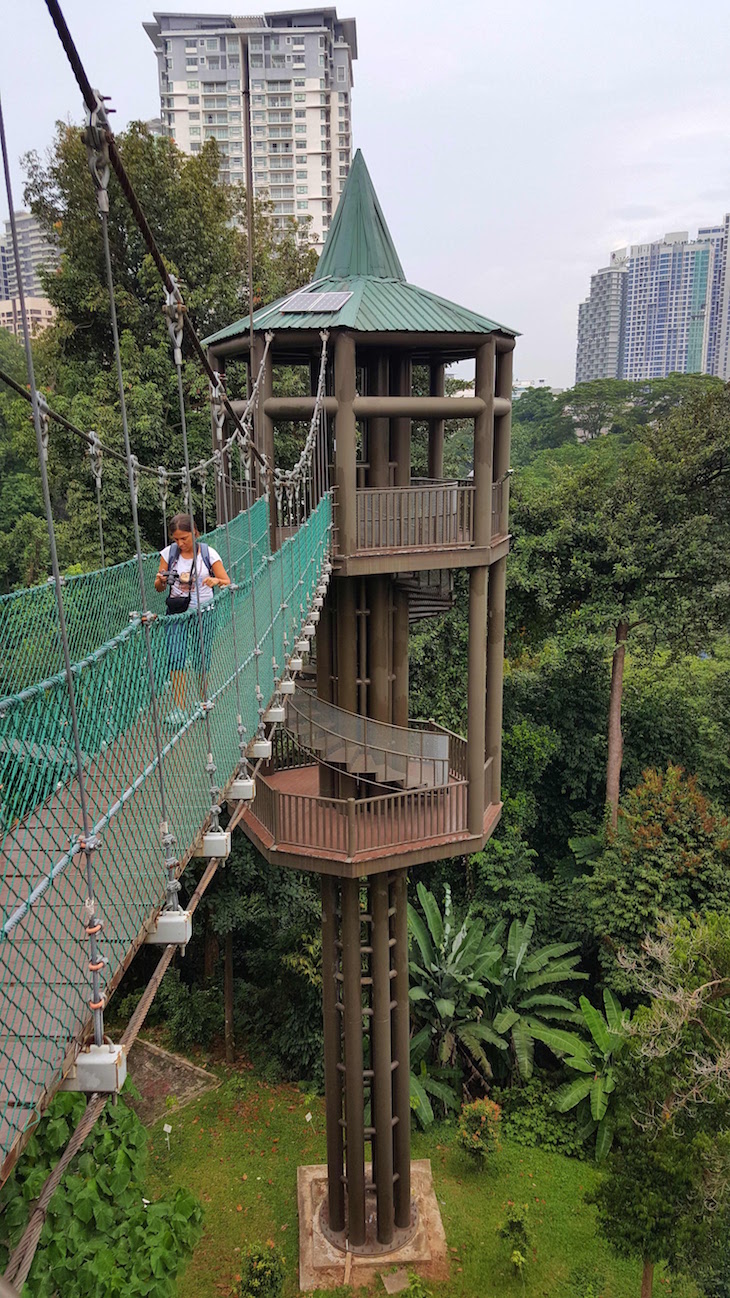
{"points": [[355, 789]]}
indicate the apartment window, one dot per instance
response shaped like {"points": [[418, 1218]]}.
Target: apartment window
{"points": [[255, 100], [258, 117], [234, 65], [201, 60], [301, 189], [257, 85], [321, 60], [257, 60], [195, 146], [234, 117], [341, 72], [235, 132], [299, 84], [298, 60], [232, 43], [303, 206], [342, 111], [344, 171], [212, 43], [300, 99], [260, 177], [300, 130], [234, 85], [323, 115], [195, 130], [194, 117], [259, 145], [190, 46], [194, 85], [301, 157], [300, 112], [323, 42], [193, 99], [301, 175], [298, 41], [342, 95], [191, 64], [325, 175]]}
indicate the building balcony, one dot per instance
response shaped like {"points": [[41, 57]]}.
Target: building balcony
{"points": [[293, 823]]}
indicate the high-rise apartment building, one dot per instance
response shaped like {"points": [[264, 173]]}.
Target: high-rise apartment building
{"points": [[659, 308], [600, 323], [296, 69], [35, 253]]}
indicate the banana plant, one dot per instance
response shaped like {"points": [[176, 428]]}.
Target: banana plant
{"points": [[593, 1059], [523, 996], [431, 1082], [449, 990]]}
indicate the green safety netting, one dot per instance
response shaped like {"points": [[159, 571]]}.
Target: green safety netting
{"points": [[44, 979]]}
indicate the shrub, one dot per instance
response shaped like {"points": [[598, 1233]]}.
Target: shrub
{"points": [[478, 1130], [264, 1277], [417, 1288], [515, 1228], [529, 1119]]}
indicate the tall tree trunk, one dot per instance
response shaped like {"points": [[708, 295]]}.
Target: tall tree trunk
{"points": [[647, 1279], [615, 737], [210, 952], [228, 997]]}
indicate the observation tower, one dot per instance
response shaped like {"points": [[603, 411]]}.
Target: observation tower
{"points": [[356, 790]]}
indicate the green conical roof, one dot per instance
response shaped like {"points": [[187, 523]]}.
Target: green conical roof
{"points": [[359, 241], [360, 269]]}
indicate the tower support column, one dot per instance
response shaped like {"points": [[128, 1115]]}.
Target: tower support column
{"points": [[437, 427], [476, 698], [345, 442]]}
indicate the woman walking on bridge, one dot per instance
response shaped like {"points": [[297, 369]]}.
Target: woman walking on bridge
{"points": [[189, 590]]}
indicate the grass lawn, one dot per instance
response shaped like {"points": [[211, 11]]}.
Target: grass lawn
{"points": [[238, 1149]]}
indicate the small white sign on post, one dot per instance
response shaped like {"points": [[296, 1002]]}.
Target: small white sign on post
{"points": [[167, 1129]]}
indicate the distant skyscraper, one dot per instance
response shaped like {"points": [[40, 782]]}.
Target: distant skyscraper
{"points": [[35, 252], [299, 68], [600, 324], [659, 308]]}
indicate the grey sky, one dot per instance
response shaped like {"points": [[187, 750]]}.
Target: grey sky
{"points": [[512, 147]]}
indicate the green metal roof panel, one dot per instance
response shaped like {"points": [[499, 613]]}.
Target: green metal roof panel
{"points": [[359, 241], [376, 306]]}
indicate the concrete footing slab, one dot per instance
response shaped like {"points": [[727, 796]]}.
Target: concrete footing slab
{"points": [[322, 1265]]}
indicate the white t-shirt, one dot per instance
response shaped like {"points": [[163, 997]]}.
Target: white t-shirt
{"points": [[183, 566]]}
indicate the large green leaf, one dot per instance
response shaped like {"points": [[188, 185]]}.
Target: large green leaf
{"points": [[468, 950], [561, 972], [418, 994], [580, 1065], [599, 1098], [615, 1014], [505, 1020], [484, 1032], [429, 905], [444, 1008], [551, 952], [419, 1045], [420, 1103], [420, 933], [562, 1042], [596, 1025], [524, 1048], [441, 1091], [514, 937], [571, 1093], [543, 999], [604, 1137]]}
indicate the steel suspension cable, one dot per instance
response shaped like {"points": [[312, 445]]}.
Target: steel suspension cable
{"points": [[98, 164], [88, 842], [219, 416]]}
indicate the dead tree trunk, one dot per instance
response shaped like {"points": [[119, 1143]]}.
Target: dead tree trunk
{"points": [[228, 997], [615, 736]]}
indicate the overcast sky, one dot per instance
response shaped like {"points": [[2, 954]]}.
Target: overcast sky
{"points": [[512, 145]]}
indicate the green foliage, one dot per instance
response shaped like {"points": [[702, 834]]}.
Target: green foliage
{"points": [[593, 1060], [417, 1287], [193, 1015], [516, 1230], [448, 992], [264, 1273], [101, 1235], [524, 1001], [529, 1119], [478, 1129], [670, 855]]}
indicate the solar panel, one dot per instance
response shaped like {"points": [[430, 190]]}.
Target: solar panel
{"points": [[315, 302]]}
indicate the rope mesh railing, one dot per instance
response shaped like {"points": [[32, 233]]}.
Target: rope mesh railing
{"points": [[43, 958]]}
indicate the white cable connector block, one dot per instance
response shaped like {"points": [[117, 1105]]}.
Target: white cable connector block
{"points": [[217, 842], [296, 664], [242, 789], [174, 926], [318, 602], [309, 631], [261, 748], [314, 616], [275, 714], [98, 1068], [287, 687], [302, 647]]}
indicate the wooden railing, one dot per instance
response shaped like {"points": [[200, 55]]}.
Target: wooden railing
{"points": [[403, 518], [350, 828]]}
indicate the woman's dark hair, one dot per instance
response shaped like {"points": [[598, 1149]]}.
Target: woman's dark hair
{"points": [[181, 523]]}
